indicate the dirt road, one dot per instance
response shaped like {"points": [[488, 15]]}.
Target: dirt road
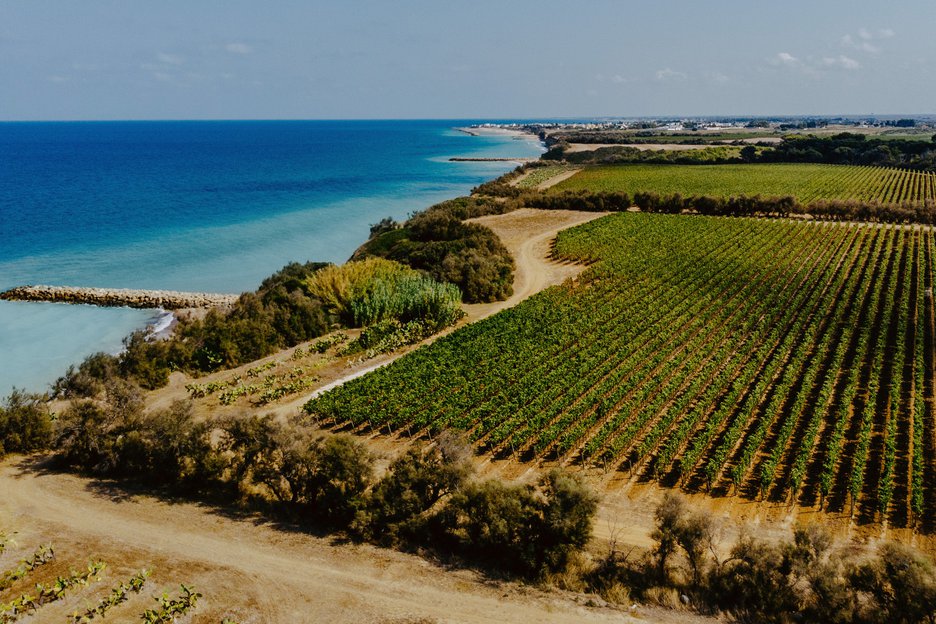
{"points": [[254, 572], [528, 234]]}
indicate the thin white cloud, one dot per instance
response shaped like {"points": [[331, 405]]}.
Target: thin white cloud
{"points": [[859, 44], [785, 58], [717, 77], [841, 62], [668, 74], [238, 48], [170, 59], [866, 40], [812, 66], [618, 79]]}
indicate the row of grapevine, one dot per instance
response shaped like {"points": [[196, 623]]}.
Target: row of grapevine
{"points": [[26, 588], [807, 182], [774, 358]]}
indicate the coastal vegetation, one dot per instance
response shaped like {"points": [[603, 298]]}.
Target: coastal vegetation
{"points": [[783, 360], [442, 246], [300, 302], [789, 368], [25, 425]]}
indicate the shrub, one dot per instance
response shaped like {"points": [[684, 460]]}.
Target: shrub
{"points": [[84, 437], [337, 286], [439, 244], [323, 477], [679, 528], [88, 379], [344, 471], [900, 584], [396, 507], [753, 584], [520, 529], [25, 424], [387, 224]]}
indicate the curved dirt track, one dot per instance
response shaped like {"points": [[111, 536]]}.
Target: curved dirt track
{"points": [[252, 570], [528, 234]]}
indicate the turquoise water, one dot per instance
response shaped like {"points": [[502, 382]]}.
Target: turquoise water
{"points": [[206, 206]]}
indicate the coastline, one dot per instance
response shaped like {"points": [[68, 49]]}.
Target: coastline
{"points": [[44, 338], [483, 130]]}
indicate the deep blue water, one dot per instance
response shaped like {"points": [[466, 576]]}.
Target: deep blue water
{"points": [[211, 206]]}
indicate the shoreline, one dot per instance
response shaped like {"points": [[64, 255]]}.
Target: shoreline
{"points": [[515, 133], [161, 326]]}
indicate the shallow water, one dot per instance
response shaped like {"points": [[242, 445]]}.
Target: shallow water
{"points": [[205, 206]]}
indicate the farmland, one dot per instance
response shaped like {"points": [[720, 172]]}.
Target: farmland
{"points": [[766, 359], [40, 585], [806, 182]]}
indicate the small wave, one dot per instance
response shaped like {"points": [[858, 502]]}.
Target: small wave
{"points": [[161, 323]]}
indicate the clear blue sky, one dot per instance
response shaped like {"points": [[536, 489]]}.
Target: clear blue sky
{"points": [[203, 59]]}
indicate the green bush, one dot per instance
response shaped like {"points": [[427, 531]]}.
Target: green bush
{"points": [[439, 244], [88, 379], [396, 508], [900, 584], [322, 478], [25, 424], [520, 529], [407, 297]]}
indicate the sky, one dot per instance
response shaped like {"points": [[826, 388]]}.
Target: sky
{"points": [[403, 59]]}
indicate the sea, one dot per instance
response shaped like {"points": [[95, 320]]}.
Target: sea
{"points": [[208, 206]]}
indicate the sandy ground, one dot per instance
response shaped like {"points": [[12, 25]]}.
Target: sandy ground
{"points": [[252, 570]]}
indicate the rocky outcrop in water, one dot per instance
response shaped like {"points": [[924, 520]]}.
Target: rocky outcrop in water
{"points": [[119, 297]]}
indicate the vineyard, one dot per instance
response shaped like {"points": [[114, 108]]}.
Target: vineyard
{"points": [[768, 359], [31, 587], [806, 182], [535, 177]]}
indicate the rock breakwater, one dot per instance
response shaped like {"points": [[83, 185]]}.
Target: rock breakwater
{"points": [[118, 297]]}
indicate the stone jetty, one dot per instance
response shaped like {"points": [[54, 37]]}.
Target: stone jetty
{"points": [[467, 159], [119, 297]]}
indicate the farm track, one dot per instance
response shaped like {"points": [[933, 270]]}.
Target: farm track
{"points": [[260, 571]]}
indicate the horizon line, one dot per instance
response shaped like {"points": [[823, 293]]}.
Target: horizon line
{"points": [[479, 119]]}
